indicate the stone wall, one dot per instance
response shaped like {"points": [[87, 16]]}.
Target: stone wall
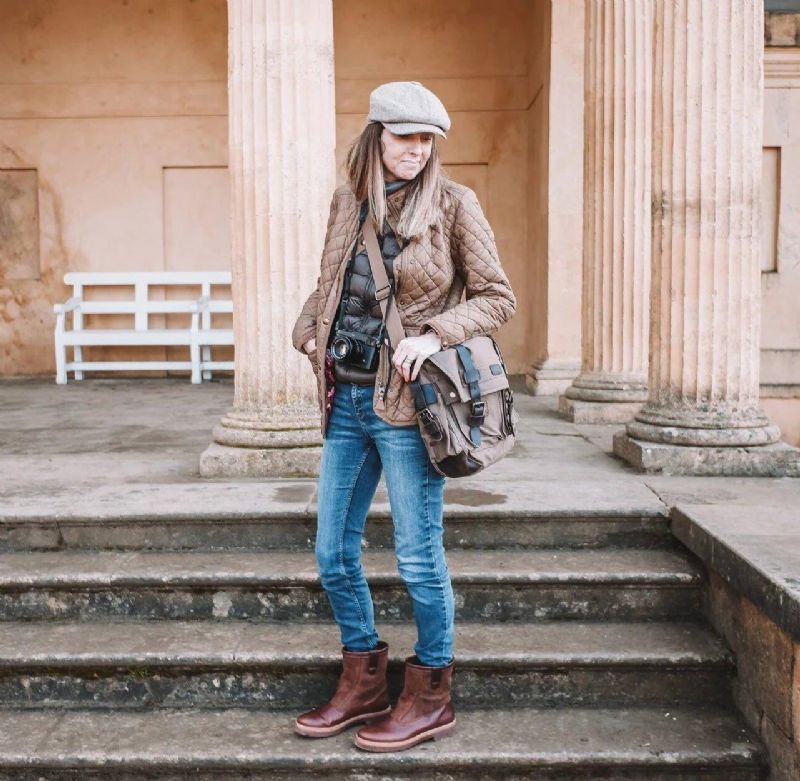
{"points": [[113, 131], [555, 193], [767, 683], [780, 278], [113, 135]]}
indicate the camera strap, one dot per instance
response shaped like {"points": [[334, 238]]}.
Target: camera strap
{"points": [[382, 287]]}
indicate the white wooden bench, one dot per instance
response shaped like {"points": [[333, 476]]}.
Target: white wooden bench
{"points": [[199, 336]]}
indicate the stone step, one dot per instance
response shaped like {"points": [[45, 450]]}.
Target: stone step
{"points": [[557, 744], [268, 514], [298, 532], [284, 585], [221, 664]]}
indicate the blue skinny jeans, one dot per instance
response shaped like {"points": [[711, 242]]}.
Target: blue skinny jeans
{"points": [[358, 445]]}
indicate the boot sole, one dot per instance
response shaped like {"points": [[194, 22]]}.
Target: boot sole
{"points": [[324, 732], [436, 733]]}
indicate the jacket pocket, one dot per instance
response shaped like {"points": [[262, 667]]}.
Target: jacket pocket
{"points": [[312, 359]]}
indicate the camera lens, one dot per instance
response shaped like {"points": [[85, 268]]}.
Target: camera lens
{"points": [[341, 347]]}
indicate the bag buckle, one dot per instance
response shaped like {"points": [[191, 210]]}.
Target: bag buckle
{"points": [[431, 424], [478, 413]]}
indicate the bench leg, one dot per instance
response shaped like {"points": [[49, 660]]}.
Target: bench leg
{"points": [[206, 358], [78, 356], [194, 356], [61, 363]]}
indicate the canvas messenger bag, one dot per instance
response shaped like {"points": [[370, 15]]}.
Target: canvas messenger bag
{"points": [[465, 407]]}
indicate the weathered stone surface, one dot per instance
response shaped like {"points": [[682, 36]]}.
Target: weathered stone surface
{"points": [[608, 495], [614, 566], [298, 530], [704, 349], [558, 490], [282, 139], [284, 585], [755, 550], [240, 664], [617, 204], [766, 686], [722, 605], [597, 412], [278, 461], [777, 460], [765, 658], [783, 752], [572, 743], [209, 643], [552, 377], [781, 29], [568, 773], [796, 697]]}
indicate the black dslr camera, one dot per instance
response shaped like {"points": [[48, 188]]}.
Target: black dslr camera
{"points": [[357, 349], [354, 347]]}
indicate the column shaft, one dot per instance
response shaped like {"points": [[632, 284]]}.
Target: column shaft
{"points": [[616, 229], [706, 243], [282, 172]]}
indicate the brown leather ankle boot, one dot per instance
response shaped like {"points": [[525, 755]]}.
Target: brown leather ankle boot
{"points": [[360, 695], [423, 711]]}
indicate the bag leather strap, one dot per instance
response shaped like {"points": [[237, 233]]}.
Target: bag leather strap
{"points": [[396, 333]]}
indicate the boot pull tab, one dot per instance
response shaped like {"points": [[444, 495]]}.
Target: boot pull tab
{"points": [[436, 677], [373, 663]]}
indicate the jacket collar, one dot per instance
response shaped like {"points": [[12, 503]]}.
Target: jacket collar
{"points": [[394, 208]]}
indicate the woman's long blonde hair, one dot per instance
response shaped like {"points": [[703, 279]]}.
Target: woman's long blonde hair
{"points": [[425, 201]]}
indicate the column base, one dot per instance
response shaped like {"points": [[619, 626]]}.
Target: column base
{"points": [[775, 460], [551, 377], [708, 426], [224, 461], [603, 397], [281, 442], [599, 412]]}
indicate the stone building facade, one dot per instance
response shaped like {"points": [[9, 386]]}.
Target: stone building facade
{"points": [[124, 133]]}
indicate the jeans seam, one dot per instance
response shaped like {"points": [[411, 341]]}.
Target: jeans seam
{"points": [[433, 559], [357, 407], [341, 540]]}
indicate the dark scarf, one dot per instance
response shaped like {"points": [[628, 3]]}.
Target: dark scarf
{"points": [[388, 189]]}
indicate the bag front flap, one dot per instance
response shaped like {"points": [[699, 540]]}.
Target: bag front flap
{"points": [[486, 357]]}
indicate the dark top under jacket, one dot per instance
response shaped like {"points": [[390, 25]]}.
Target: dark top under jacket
{"points": [[359, 310]]}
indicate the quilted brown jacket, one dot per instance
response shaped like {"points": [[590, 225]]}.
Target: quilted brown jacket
{"points": [[430, 275]]}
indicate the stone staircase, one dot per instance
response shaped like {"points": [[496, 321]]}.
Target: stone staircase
{"points": [[146, 648]]}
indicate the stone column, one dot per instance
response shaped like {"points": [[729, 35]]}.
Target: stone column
{"points": [[702, 414], [616, 226], [282, 173]]}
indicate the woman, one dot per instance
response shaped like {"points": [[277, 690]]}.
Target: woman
{"points": [[435, 243]]}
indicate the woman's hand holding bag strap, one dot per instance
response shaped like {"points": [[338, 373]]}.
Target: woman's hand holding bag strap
{"points": [[465, 407]]}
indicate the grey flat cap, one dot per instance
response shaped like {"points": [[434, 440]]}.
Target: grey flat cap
{"points": [[407, 107]]}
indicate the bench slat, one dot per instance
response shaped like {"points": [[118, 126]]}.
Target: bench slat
{"points": [[220, 336], [131, 307], [220, 305], [128, 365], [118, 336], [148, 277]]}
